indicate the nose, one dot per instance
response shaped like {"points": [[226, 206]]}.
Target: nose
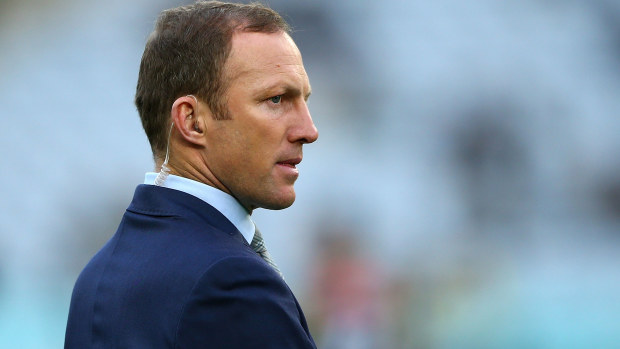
{"points": [[304, 130]]}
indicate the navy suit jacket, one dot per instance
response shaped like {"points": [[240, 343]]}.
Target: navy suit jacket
{"points": [[178, 274]]}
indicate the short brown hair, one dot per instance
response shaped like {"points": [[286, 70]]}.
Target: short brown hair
{"points": [[186, 54]]}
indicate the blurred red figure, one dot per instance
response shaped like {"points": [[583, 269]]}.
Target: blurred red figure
{"points": [[347, 296]]}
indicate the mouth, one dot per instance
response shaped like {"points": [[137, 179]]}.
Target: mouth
{"points": [[292, 163]]}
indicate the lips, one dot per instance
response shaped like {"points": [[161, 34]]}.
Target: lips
{"points": [[290, 162]]}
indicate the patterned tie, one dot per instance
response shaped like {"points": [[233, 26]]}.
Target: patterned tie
{"points": [[258, 245]]}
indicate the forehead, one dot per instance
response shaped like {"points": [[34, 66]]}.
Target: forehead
{"points": [[260, 58]]}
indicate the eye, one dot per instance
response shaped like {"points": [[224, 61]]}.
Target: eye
{"points": [[276, 99]]}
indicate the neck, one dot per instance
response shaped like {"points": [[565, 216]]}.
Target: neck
{"points": [[189, 164]]}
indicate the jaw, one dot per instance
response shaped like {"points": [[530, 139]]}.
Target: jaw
{"points": [[277, 195]]}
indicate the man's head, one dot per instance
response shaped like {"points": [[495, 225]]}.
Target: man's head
{"points": [[186, 54], [245, 131]]}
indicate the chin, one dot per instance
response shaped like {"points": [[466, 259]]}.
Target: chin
{"points": [[280, 205], [279, 202]]}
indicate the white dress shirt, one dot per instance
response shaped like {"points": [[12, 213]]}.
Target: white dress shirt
{"points": [[225, 203]]}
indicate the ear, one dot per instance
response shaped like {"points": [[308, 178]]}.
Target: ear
{"points": [[187, 121]]}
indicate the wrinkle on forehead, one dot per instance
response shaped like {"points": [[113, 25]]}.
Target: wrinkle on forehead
{"points": [[249, 58]]}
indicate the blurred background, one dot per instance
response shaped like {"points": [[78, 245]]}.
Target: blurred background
{"points": [[464, 191]]}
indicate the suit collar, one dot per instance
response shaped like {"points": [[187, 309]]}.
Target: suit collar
{"points": [[164, 202], [226, 204]]}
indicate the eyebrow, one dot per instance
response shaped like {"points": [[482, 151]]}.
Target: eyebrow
{"points": [[288, 89]]}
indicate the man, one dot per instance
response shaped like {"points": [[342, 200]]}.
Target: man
{"points": [[222, 95]]}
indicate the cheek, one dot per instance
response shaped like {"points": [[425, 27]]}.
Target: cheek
{"points": [[247, 158], [249, 149], [260, 145]]}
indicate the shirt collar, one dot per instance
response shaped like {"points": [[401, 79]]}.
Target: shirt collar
{"points": [[226, 204]]}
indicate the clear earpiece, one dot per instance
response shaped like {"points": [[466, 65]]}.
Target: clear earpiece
{"points": [[165, 171]]}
